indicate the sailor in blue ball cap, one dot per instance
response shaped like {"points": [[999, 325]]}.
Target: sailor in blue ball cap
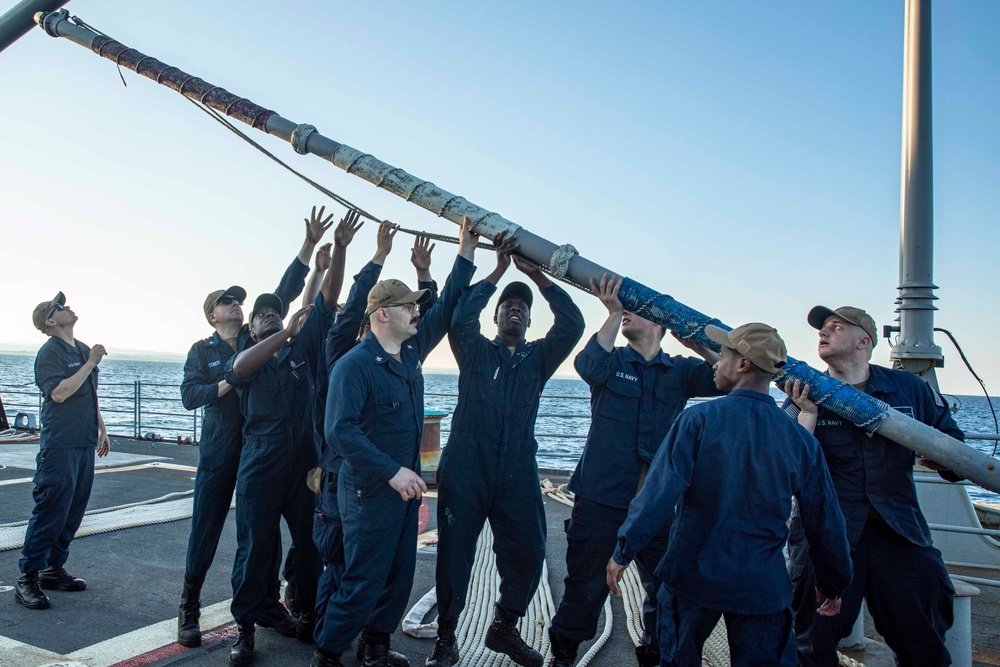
{"points": [[275, 382], [204, 386], [488, 470]]}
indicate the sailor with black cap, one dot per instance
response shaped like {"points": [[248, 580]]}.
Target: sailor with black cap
{"points": [[897, 570], [275, 382], [72, 429], [725, 476], [204, 385], [374, 421], [488, 470]]}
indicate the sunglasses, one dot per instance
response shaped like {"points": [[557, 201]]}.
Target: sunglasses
{"points": [[58, 307], [228, 301]]}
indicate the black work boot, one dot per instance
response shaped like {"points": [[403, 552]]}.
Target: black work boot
{"points": [[305, 627], [503, 637], [321, 659], [396, 659], [242, 651], [646, 656], [446, 648], [29, 594], [276, 616], [55, 577], [563, 650], [379, 655], [188, 632]]}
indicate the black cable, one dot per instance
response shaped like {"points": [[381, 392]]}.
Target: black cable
{"points": [[982, 384]]}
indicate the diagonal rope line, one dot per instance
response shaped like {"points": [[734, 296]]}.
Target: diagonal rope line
{"points": [[225, 122]]}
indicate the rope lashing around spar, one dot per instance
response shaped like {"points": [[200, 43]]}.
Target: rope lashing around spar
{"points": [[300, 135]]}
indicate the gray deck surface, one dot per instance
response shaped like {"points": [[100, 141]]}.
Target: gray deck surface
{"points": [[134, 575]]}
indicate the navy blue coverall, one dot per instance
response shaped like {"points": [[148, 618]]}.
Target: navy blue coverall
{"points": [[328, 533], [728, 470], [221, 432], [279, 449], [64, 474], [897, 570], [374, 421], [633, 404], [488, 470]]}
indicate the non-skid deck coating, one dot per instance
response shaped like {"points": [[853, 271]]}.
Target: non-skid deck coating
{"points": [[127, 616]]}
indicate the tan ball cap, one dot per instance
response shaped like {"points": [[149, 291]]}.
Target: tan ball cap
{"points": [[44, 309], [393, 292], [820, 314], [212, 299], [758, 342]]}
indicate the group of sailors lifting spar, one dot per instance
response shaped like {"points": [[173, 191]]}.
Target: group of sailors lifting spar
{"points": [[698, 498]]}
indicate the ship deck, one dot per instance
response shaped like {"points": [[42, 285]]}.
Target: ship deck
{"points": [[127, 616]]}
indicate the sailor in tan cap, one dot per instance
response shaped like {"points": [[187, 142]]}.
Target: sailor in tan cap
{"points": [[72, 429], [897, 570]]}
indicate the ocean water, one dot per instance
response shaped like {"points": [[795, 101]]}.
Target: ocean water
{"points": [[563, 416]]}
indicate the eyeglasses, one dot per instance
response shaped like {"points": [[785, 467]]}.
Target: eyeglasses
{"points": [[57, 307], [412, 307], [228, 301]]}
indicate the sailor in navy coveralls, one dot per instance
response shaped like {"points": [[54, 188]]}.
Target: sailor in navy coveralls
{"points": [[328, 532], [72, 429], [274, 380], [488, 470], [374, 421], [897, 570], [728, 470], [637, 391], [204, 385]]}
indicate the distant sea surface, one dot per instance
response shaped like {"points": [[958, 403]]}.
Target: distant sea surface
{"points": [[563, 416]]}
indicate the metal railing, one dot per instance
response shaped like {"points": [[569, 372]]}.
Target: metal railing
{"points": [[130, 409]]}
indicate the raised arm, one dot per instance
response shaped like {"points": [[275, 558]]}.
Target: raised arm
{"points": [[316, 227], [69, 386], [434, 325], [321, 264], [420, 257], [342, 237], [241, 368], [567, 327], [344, 332]]}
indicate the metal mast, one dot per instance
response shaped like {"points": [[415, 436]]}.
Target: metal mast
{"points": [[915, 350]]}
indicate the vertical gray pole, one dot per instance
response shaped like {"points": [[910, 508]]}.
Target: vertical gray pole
{"points": [[915, 350], [21, 18]]}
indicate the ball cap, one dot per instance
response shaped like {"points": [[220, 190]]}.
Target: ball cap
{"points": [[820, 314], [518, 289], [393, 292], [758, 342], [44, 309], [268, 301], [212, 299]]}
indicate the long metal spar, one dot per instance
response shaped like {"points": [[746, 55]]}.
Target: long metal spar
{"points": [[858, 407]]}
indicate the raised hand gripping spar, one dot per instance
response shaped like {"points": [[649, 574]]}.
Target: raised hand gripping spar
{"points": [[563, 262]]}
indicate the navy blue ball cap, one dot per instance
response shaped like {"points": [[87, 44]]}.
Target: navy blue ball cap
{"points": [[268, 301], [518, 289]]}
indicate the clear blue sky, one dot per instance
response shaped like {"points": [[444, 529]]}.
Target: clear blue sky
{"points": [[742, 157]]}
